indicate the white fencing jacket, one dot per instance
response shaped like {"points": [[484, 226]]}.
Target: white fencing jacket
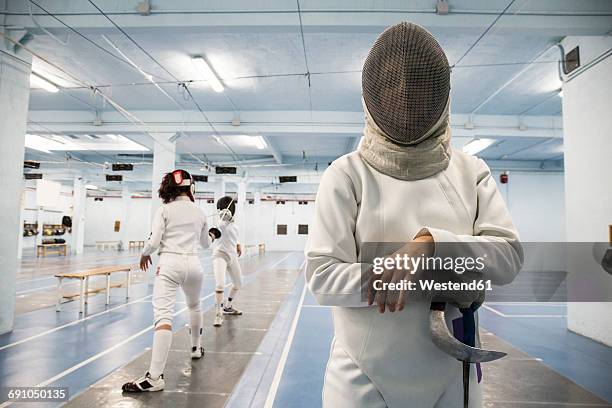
{"points": [[226, 245], [357, 204], [178, 227]]}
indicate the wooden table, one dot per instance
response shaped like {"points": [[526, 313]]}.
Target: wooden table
{"points": [[84, 278], [44, 249]]}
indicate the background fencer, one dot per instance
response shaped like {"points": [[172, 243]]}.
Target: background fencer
{"points": [[178, 231], [404, 184], [226, 251]]}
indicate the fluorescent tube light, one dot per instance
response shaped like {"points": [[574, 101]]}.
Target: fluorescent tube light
{"points": [[90, 187], [477, 145], [259, 142], [36, 81], [42, 144], [208, 74]]}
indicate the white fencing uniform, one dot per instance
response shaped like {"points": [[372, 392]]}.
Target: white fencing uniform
{"points": [[179, 230], [225, 257], [380, 360]]}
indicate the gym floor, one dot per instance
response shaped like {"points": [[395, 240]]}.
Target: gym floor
{"points": [[274, 355]]}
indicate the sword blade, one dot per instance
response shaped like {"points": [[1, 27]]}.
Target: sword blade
{"points": [[441, 337]]}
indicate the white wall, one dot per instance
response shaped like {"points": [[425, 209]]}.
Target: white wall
{"points": [[537, 204], [587, 125], [100, 217], [264, 217]]}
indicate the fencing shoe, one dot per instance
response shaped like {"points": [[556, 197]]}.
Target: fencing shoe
{"points": [[218, 319], [231, 310], [197, 352], [145, 384]]}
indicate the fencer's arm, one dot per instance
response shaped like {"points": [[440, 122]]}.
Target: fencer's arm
{"points": [[333, 273], [205, 238], [494, 233], [157, 230]]}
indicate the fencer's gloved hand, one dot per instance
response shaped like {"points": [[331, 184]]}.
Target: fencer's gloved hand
{"points": [[214, 233], [460, 298]]}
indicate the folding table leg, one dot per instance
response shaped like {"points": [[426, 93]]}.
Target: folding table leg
{"points": [[107, 288], [82, 299], [59, 295], [128, 283]]}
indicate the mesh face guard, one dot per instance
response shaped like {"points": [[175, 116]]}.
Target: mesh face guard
{"points": [[406, 83]]}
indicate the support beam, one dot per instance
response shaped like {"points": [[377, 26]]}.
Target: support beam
{"points": [[164, 158], [79, 197], [274, 150], [541, 18], [293, 123], [14, 97]]}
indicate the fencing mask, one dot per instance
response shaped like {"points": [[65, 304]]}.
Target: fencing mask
{"points": [[406, 88], [227, 208]]}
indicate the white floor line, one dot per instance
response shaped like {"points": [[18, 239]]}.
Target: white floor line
{"points": [[125, 341], [537, 304], [283, 359], [139, 300], [23, 292], [497, 312], [537, 316], [550, 403]]}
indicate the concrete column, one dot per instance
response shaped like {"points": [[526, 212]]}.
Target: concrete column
{"points": [[164, 160], [21, 220], [588, 166], [14, 98], [240, 211], [125, 207], [79, 200], [219, 190], [40, 218]]}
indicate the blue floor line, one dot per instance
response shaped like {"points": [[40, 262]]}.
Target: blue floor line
{"points": [[254, 385], [585, 362], [302, 380]]}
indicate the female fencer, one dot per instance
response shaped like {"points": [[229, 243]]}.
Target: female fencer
{"points": [[226, 251], [178, 231], [405, 184]]}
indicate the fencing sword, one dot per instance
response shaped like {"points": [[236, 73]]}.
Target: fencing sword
{"points": [[462, 351]]}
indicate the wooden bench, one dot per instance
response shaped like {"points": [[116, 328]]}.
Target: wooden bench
{"points": [[261, 248], [104, 244], [44, 249], [84, 278], [136, 244]]}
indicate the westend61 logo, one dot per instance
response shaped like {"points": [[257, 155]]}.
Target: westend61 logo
{"points": [[431, 263], [411, 264]]}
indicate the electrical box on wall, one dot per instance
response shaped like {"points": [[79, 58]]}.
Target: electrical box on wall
{"points": [[503, 178]]}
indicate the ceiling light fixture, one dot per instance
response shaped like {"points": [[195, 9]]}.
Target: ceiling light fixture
{"points": [[42, 144], [259, 142], [477, 145], [37, 81], [208, 74], [90, 187]]}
